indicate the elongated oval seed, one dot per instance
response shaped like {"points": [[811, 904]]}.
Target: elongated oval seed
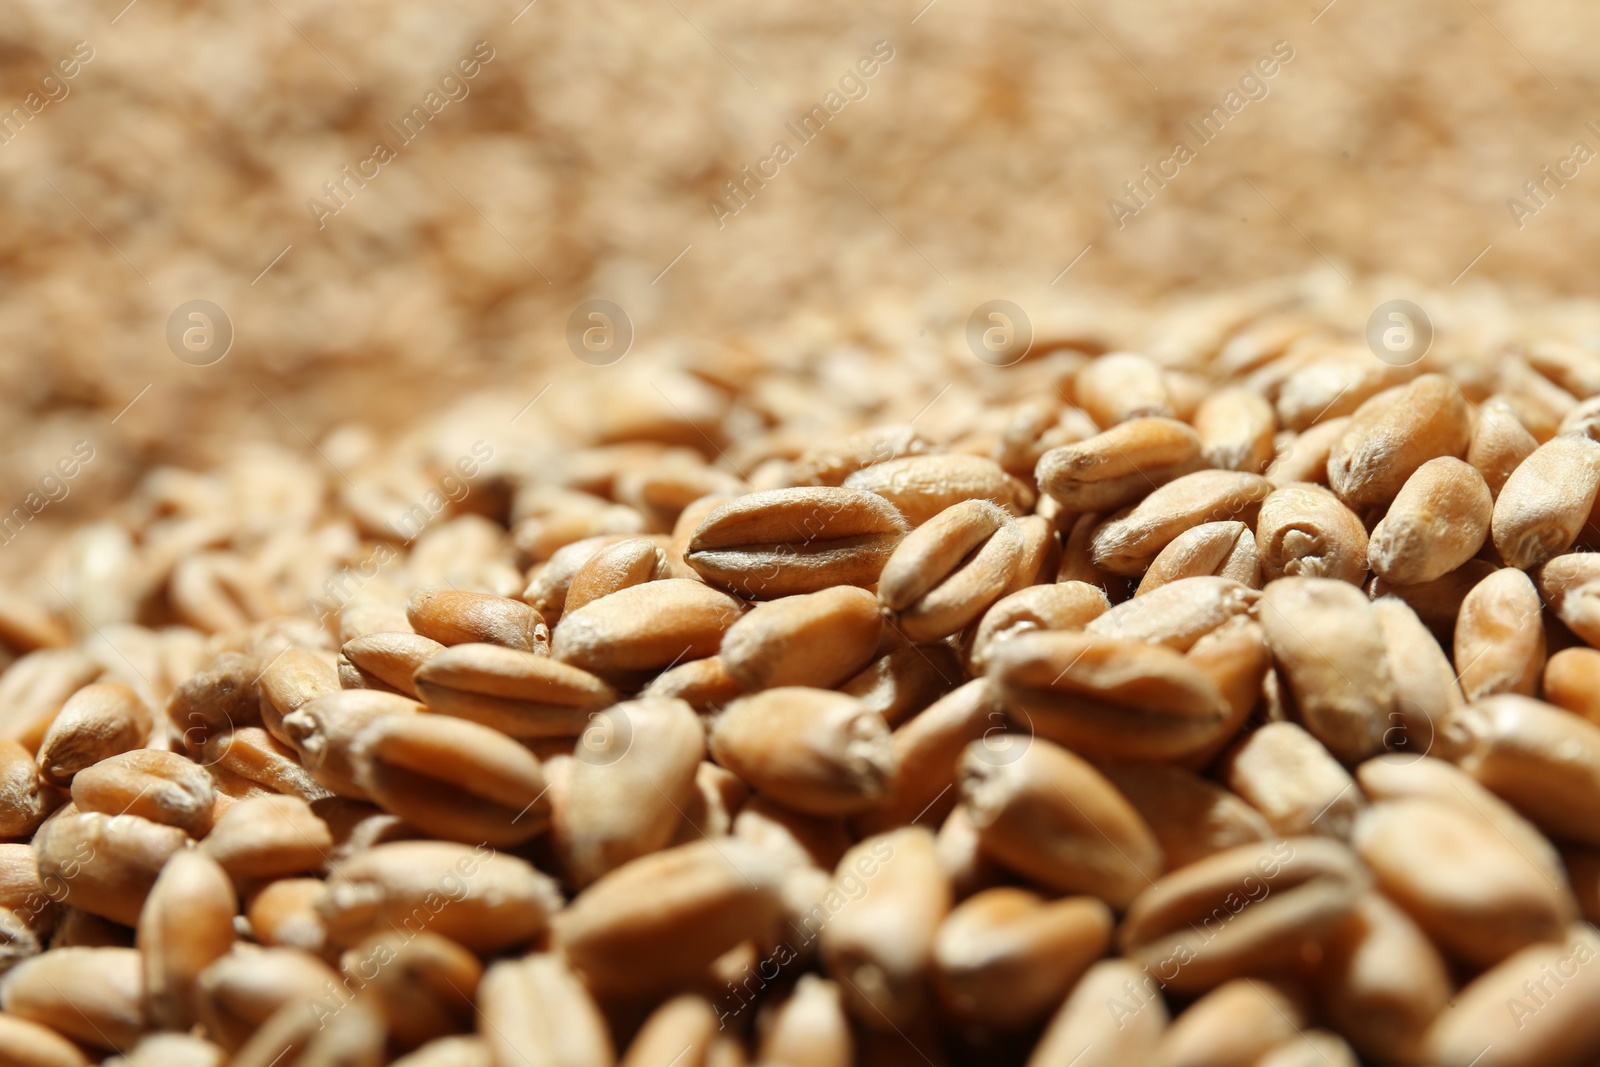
{"points": [[1515, 1015], [1389, 438], [1326, 641], [1438, 521], [31, 1044], [817, 639], [645, 628], [1546, 501], [1120, 465], [1055, 606], [881, 944], [1570, 585], [94, 996], [324, 731], [1224, 549], [106, 863], [633, 775], [163, 787], [1465, 885], [1125, 545], [1304, 531], [293, 677], [626, 563], [1543, 761], [1006, 956], [1499, 443], [536, 1010], [424, 985], [1382, 982], [1177, 614], [452, 778], [1572, 681], [459, 617], [1499, 643], [269, 837], [950, 569], [24, 803], [784, 541], [1295, 782], [658, 921], [481, 899], [1089, 1030], [1106, 697], [1121, 385], [818, 752], [1047, 814], [391, 659], [186, 925], [1191, 817], [1233, 1025], [1249, 909], [1236, 427], [517, 693], [241, 990], [920, 487], [97, 721]]}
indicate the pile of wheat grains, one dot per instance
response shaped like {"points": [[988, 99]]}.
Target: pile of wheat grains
{"points": [[1224, 699]]}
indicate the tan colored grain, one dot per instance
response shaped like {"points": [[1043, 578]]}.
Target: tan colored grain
{"points": [[481, 899], [186, 925], [1224, 549], [1570, 585], [1114, 1016], [1572, 681], [105, 863], [1119, 466], [1515, 1013], [1190, 816], [163, 787], [1236, 427], [1127, 543], [949, 570], [1499, 641], [808, 1029], [817, 639], [1050, 816], [1303, 457], [94, 996], [1389, 438], [451, 778], [99, 720], [920, 487], [243, 989], [1119, 386], [881, 943], [1543, 761], [324, 732], [269, 837], [1239, 912], [783, 541], [1465, 885], [633, 774], [1294, 781], [1107, 697], [1006, 957], [1056, 606], [619, 566], [645, 628], [421, 984], [1178, 613], [818, 752], [1327, 643], [459, 617], [1233, 1025], [660, 920], [517, 693], [1499, 443], [1546, 501]]}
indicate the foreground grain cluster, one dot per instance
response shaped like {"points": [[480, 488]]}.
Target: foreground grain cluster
{"points": [[1230, 705]]}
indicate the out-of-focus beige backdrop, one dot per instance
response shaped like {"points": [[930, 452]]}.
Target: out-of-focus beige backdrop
{"points": [[178, 162]]}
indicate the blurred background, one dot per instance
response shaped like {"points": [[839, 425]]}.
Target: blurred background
{"points": [[520, 158]]}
